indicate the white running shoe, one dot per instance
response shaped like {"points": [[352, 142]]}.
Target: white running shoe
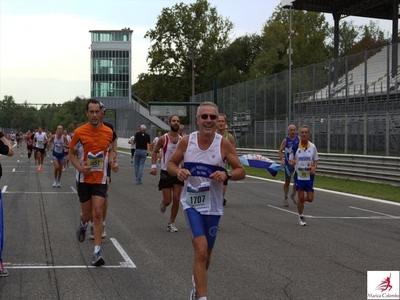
{"points": [[55, 183], [58, 184], [193, 292], [172, 228], [302, 221]]}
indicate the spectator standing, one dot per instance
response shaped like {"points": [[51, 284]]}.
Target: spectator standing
{"points": [[142, 140]]}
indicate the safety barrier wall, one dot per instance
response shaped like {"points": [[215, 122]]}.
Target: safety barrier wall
{"points": [[382, 169]]}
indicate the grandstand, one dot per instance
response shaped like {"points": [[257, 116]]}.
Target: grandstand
{"points": [[372, 76]]}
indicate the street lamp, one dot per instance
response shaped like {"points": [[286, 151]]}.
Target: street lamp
{"points": [[289, 4], [290, 52], [193, 108]]}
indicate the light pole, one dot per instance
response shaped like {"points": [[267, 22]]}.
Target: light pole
{"points": [[193, 108], [290, 52], [193, 53]]}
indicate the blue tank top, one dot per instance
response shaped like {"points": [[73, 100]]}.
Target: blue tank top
{"points": [[290, 144]]}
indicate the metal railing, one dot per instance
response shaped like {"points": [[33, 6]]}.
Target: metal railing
{"points": [[380, 169]]}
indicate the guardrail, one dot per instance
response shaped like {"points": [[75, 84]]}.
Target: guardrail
{"points": [[381, 169]]}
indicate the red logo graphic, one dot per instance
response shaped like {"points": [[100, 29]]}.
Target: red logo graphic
{"points": [[385, 284]]}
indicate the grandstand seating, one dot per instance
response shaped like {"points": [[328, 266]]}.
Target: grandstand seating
{"points": [[377, 75]]}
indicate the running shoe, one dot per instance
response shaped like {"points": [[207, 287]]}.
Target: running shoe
{"points": [[104, 233], [91, 234], [29, 159], [285, 202], [193, 294], [293, 197], [55, 183], [3, 272], [172, 228], [58, 184], [302, 221], [40, 169], [63, 169], [162, 207], [97, 259], [81, 233], [224, 201]]}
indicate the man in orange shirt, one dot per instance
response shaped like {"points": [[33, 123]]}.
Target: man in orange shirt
{"points": [[90, 153]]}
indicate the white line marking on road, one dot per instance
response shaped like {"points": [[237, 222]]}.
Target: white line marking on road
{"points": [[372, 211], [24, 267], [22, 192], [74, 190], [283, 209], [128, 263], [334, 192], [4, 189], [385, 217], [13, 170]]}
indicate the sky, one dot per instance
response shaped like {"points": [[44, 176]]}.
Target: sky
{"points": [[44, 44]]}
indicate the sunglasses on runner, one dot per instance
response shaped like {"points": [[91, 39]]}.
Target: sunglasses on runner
{"points": [[205, 117]]}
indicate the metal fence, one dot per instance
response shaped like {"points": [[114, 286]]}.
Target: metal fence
{"points": [[351, 105]]}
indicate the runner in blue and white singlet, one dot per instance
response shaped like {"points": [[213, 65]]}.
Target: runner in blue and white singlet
{"points": [[288, 143], [305, 160], [57, 143]]}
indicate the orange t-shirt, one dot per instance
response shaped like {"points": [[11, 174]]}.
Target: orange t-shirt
{"points": [[92, 145]]}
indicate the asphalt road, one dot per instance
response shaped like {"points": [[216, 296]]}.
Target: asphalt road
{"points": [[261, 252]]}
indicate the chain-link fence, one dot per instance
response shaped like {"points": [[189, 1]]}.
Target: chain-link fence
{"points": [[352, 105]]}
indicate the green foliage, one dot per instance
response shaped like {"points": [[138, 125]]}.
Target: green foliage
{"points": [[185, 34], [232, 64], [23, 117], [309, 33]]}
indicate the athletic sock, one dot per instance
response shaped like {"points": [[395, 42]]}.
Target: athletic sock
{"points": [[96, 249]]}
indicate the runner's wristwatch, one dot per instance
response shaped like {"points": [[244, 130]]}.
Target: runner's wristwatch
{"points": [[228, 173]]}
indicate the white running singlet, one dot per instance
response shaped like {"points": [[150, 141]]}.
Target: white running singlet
{"points": [[167, 150], [201, 192]]}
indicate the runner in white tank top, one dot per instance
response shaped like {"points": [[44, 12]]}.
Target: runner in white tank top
{"points": [[169, 185], [203, 154]]}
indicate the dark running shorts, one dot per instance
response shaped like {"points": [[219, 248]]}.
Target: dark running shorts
{"points": [[87, 190], [167, 181]]}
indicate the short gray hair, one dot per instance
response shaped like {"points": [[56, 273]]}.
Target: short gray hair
{"points": [[206, 104], [142, 127]]}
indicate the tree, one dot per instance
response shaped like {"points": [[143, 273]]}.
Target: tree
{"points": [[183, 34], [371, 37], [309, 34], [233, 63], [348, 34]]}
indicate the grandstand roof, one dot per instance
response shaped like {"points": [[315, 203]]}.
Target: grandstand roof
{"points": [[377, 9]]}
